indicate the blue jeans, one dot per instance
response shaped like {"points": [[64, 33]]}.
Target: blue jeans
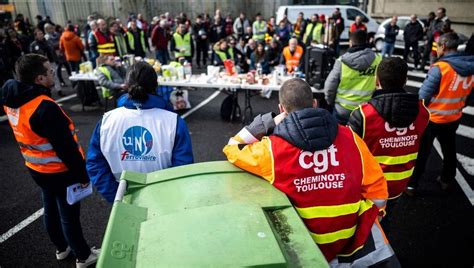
{"points": [[62, 222], [162, 56], [388, 49]]}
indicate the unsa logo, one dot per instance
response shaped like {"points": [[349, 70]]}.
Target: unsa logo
{"points": [[400, 131], [137, 140], [320, 160]]}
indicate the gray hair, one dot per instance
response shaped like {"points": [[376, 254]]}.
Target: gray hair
{"points": [[450, 40]]}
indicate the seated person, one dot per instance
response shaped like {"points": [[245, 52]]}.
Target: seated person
{"points": [[292, 56], [141, 136], [221, 52], [111, 75], [326, 170], [258, 57], [273, 53]]}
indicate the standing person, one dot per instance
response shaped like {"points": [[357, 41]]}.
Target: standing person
{"points": [[445, 90], [273, 54], [93, 53], [352, 79], [71, 45], [436, 26], [411, 35], [103, 41], [42, 47], [295, 151], [299, 26], [160, 38], [137, 43], [271, 27], [292, 56], [391, 32], [143, 24], [182, 45], [53, 37], [339, 23], [201, 37], [16, 45], [228, 26], [259, 28], [216, 31], [283, 33], [248, 34], [314, 32], [240, 24], [113, 146], [40, 23], [53, 155], [392, 114], [357, 25], [446, 28], [119, 39]]}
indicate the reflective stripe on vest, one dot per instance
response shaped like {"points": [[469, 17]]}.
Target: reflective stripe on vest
{"points": [[292, 60], [324, 187], [106, 72], [261, 31], [121, 45], [38, 153], [395, 149], [446, 106], [356, 86], [131, 40], [105, 44], [182, 42], [316, 34]]}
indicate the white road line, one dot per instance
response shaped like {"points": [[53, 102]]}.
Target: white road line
{"points": [[468, 110], [21, 225], [459, 178], [5, 118], [200, 105], [414, 84], [417, 74], [465, 131]]}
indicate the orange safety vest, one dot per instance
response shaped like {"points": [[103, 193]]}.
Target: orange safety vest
{"points": [[292, 60], [325, 187], [447, 105], [38, 153]]}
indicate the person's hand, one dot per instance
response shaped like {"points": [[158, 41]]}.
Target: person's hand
{"points": [[182, 50], [124, 86], [279, 118], [84, 185]]}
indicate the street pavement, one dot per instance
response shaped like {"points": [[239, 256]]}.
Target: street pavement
{"points": [[433, 229]]}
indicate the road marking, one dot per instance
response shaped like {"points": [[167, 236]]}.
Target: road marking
{"points": [[469, 167], [21, 225], [5, 118], [468, 110], [465, 131], [417, 74], [200, 105], [414, 84]]}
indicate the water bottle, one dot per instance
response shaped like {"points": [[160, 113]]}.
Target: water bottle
{"points": [[259, 70], [187, 69]]}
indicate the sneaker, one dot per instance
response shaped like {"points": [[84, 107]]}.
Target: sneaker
{"points": [[90, 260], [61, 255], [410, 191]]}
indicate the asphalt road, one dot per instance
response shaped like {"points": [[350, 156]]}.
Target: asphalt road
{"points": [[433, 229]]}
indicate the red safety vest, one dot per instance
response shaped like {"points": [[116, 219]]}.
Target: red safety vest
{"points": [[105, 44], [395, 149], [325, 187], [292, 60], [447, 105], [38, 153]]}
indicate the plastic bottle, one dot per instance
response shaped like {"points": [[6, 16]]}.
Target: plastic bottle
{"points": [[259, 70], [187, 69]]}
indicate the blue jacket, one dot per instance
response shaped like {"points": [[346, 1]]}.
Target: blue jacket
{"points": [[99, 170], [462, 64]]}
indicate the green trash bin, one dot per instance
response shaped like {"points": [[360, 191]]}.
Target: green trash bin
{"points": [[209, 214]]}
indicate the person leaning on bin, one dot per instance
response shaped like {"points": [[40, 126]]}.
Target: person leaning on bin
{"points": [[352, 79], [391, 124], [445, 91], [49, 144], [139, 136], [326, 170]]}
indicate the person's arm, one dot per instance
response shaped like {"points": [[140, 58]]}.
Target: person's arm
{"points": [[332, 83], [98, 168], [356, 122], [50, 122], [430, 86], [255, 156], [173, 45], [182, 150], [236, 29], [92, 41], [192, 47], [374, 185], [254, 27]]}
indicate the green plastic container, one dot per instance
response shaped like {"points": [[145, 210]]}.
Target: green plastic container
{"points": [[204, 215]]}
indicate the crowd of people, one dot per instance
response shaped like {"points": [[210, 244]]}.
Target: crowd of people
{"points": [[343, 168]]}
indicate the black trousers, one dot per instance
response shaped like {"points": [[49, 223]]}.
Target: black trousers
{"points": [[202, 49], [446, 134], [416, 54]]}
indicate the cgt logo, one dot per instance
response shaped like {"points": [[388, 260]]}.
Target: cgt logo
{"points": [[137, 141], [399, 131], [320, 160]]}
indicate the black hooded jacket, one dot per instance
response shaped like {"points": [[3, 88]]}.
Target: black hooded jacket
{"points": [[397, 107], [48, 121]]}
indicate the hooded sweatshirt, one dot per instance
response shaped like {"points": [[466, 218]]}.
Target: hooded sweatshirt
{"points": [[48, 121], [72, 46]]}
